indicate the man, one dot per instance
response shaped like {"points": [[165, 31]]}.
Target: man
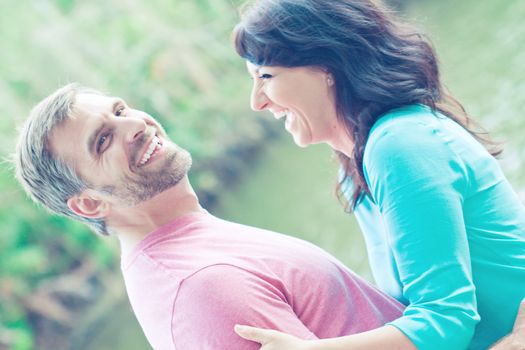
{"points": [[190, 277]]}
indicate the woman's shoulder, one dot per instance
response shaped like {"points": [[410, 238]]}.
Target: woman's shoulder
{"points": [[404, 120], [405, 126]]}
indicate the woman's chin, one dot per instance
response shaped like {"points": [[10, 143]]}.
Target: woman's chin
{"points": [[299, 141]]}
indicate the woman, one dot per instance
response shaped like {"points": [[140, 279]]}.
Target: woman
{"points": [[444, 230]]}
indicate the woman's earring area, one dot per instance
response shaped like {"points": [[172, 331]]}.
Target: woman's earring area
{"points": [[329, 81]]}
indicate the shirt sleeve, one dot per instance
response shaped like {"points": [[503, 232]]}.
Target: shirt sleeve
{"points": [[213, 300], [418, 182]]}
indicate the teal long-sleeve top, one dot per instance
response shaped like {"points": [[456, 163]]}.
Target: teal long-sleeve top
{"points": [[444, 230]]}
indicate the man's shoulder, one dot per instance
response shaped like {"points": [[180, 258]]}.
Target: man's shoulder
{"points": [[225, 291], [220, 281], [215, 298]]}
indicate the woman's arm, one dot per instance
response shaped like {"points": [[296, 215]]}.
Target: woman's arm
{"points": [[386, 337], [419, 184]]}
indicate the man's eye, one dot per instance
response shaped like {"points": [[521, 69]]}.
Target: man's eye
{"points": [[103, 142], [120, 111], [265, 76]]}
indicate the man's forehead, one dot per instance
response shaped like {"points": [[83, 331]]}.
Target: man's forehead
{"points": [[70, 136], [67, 135], [88, 101]]}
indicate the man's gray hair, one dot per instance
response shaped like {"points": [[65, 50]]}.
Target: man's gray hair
{"points": [[46, 178]]}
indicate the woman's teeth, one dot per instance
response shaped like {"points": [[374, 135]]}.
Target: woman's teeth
{"points": [[281, 114], [288, 122], [155, 144]]}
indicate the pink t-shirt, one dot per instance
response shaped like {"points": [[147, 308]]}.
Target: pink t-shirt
{"points": [[190, 281]]}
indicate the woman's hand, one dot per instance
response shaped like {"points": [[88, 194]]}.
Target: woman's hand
{"points": [[270, 339]]}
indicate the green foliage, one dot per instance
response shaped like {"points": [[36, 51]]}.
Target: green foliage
{"points": [[21, 335], [169, 58]]}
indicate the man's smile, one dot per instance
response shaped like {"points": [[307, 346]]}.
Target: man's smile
{"points": [[150, 151]]}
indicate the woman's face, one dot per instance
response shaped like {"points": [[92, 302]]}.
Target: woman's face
{"points": [[303, 96]]}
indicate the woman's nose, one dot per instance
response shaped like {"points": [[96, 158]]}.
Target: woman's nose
{"points": [[258, 99]]}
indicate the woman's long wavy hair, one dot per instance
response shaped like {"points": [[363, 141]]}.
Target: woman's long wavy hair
{"points": [[378, 64]]}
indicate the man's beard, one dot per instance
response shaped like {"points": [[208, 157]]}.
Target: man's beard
{"points": [[145, 184]]}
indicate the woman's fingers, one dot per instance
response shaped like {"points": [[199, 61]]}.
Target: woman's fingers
{"points": [[259, 335], [270, 339]]}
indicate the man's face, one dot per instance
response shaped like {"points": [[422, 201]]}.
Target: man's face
{"points": [[118, 150]]}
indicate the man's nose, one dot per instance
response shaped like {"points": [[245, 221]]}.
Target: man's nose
{"points": [[258, 99], [133, 128]]}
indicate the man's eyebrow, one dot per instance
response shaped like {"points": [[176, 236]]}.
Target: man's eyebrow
{"points": [[116, 103]]}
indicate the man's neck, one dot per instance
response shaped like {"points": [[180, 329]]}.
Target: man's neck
{"points": [[133, 224]]}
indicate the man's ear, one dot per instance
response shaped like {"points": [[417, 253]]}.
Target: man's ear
{"points": [[89, 205]]}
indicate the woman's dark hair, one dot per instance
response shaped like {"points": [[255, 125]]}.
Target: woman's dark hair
{"points": [[378, 64]]}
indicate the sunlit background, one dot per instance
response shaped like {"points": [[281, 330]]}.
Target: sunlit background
{"points": [[60, 285]]}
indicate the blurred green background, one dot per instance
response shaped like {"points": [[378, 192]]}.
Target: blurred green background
{"points": [[60, 287]]}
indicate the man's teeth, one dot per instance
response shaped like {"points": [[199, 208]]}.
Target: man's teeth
{"points": [[155, 143]]}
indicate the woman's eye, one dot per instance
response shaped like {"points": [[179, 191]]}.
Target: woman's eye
{"points": [[103, 143], [265, 76], [120, 111]]}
